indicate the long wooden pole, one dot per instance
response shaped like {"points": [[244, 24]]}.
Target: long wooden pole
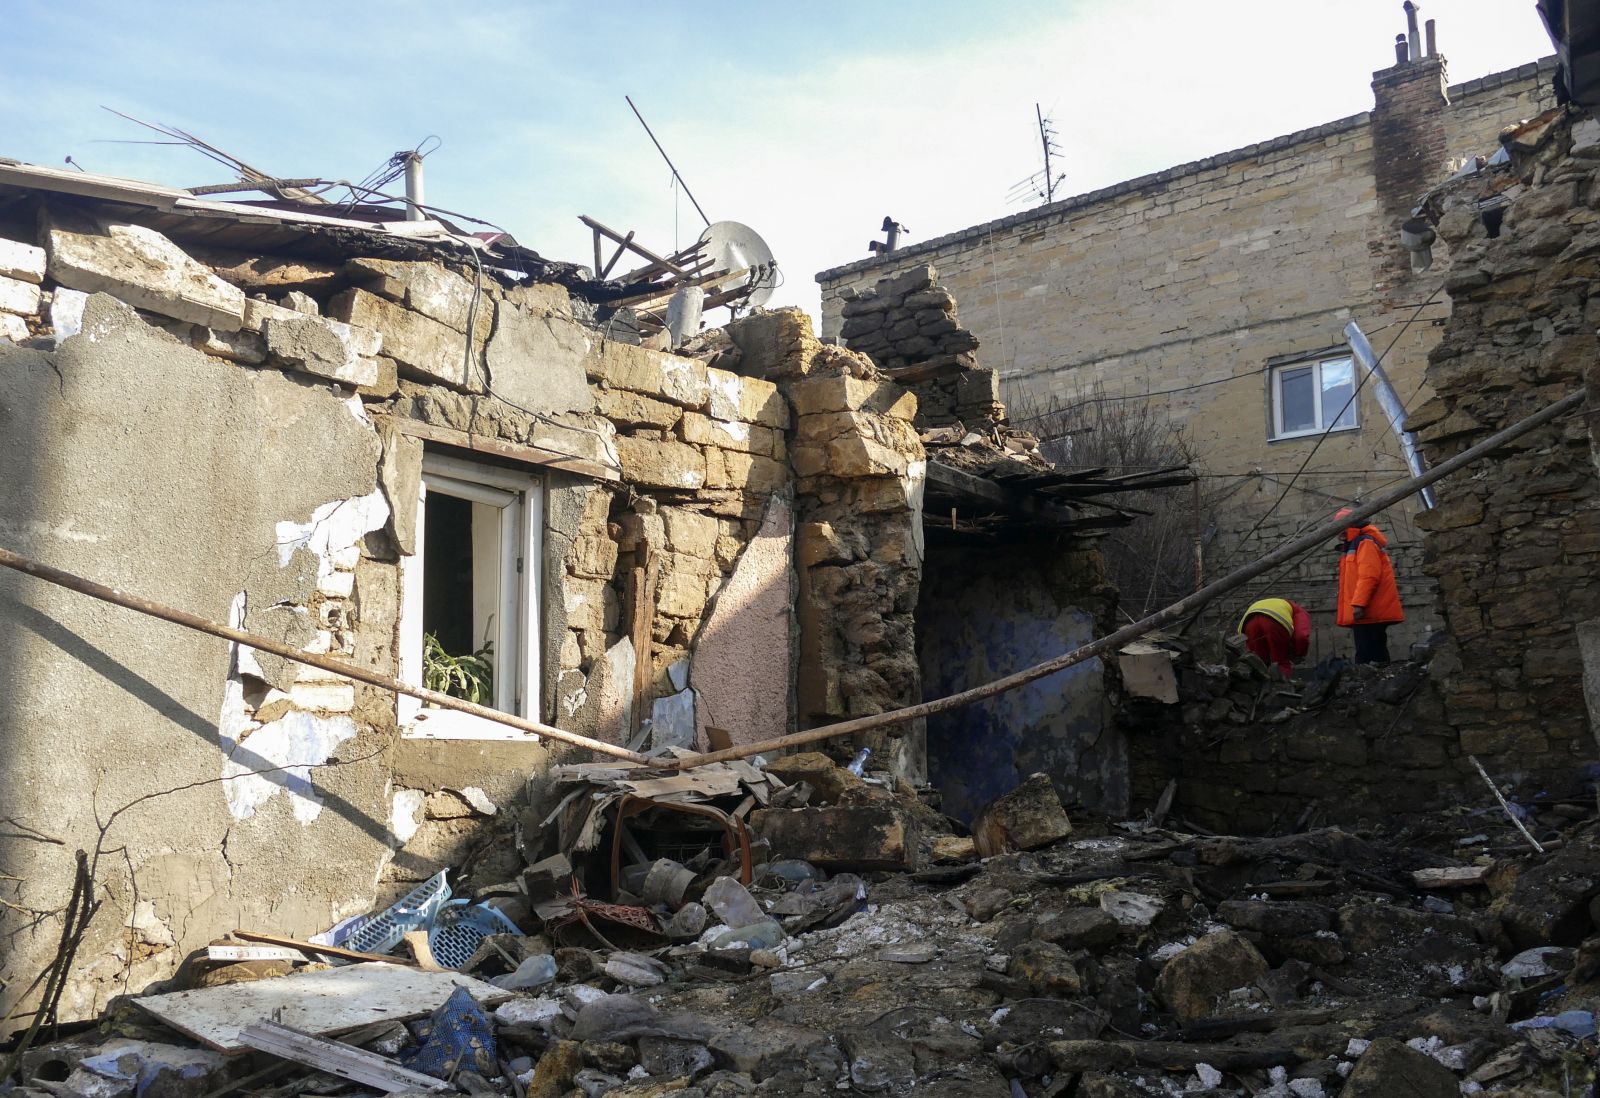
{"points": [[1177, 610], [100, 591]]}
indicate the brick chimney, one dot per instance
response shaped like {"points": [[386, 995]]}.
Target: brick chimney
{"points": [[1408, 137]]}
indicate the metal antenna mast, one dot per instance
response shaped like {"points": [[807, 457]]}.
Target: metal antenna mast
{"points": [[668, 159], [1046, 136]]}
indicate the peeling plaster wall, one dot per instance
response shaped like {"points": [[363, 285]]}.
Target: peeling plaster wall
{"points": [[989, 611], [142, 463]]}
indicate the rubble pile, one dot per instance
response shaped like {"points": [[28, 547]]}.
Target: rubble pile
{"points": [[1252, 752], [1102, 960]]}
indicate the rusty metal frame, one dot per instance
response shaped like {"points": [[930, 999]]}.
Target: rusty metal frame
{"points": [[735, 840]]}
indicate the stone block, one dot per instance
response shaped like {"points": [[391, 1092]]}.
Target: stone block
{"points": [[690, 532], [423, 347], [142, 268], [13, 328], [746, 438], [538, 362], [661, 463], [747, 472], [20, 261], [828, 779], [1190, 982], [656, 374], [779, 343], [814, 395], [1147, 672], [426, 288], [630, 409], [876, 836], [1046, 968], [541, 299], [324, 348], [1389, 1067], [245, 347], [682, 595], [749, 399], [1027, 818], [18, 297]]}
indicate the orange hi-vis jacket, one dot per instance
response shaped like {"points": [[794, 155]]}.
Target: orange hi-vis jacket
{"points": [[1366, 579]]}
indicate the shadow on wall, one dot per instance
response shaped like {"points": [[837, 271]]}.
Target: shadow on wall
{"points": [[984, 613]]}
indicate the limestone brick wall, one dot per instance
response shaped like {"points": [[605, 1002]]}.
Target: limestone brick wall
{"points": [[1184, 287], [1514, 544]]}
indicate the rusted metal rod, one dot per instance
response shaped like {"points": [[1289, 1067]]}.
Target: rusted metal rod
{"points": [[1177, 610], [140, 605], [1506, 808]]}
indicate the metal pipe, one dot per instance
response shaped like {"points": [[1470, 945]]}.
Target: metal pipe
{"points": [[1401, 49], [140, 605], [1430, 32], [1180, 609], [683, 313], [414, 196], [1412, 33], [1392, 408], [892, 228]]}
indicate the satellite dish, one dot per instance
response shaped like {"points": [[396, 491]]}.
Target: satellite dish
{"points": [[733, 248]]}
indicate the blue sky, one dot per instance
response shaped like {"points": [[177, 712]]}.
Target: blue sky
{"points": [[809, 122]]}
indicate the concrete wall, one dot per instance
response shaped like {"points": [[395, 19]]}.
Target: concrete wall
{"points": [[985, 612], [147, 465], [1197, 278]]}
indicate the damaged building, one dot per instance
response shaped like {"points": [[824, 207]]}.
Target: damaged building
{"points": [[1216, 293], [392, 443], [425, 674]]}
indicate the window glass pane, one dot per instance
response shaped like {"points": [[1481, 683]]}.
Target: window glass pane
{"points": [[1338, 384], [1297, 400]]}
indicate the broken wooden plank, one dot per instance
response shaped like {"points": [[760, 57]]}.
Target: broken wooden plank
{"points": [[1452, 876], [319, 1003], [313, 947], [709, 782], [346, 1061]]}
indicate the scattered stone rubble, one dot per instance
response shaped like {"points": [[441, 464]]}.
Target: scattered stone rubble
{"points": [[1115, 959]]}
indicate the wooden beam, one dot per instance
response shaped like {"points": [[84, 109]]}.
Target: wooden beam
{"points": [[336, 1058], [947, 478], [517, 451]]}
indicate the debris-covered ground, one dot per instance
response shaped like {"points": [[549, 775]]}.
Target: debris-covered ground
{"points": [[1116, 958]]}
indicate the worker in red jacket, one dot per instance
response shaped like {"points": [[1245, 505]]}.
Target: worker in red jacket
{"points": [[1277, 630], [1369, 600]]}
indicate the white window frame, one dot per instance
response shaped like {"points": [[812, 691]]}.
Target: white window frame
{"points": [[1275, 374], [520, 498]]}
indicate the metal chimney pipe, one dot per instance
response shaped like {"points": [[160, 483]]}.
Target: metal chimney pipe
{"points": [[1429, 32], [1412, 32], [414, 199], [892, 228], [1400, 49]]}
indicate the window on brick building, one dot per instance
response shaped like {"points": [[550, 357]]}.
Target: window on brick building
{"points": [[470, 612], [1310, 397]]}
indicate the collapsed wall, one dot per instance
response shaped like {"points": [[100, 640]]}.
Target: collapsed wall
{"points": [[1515, 543]]}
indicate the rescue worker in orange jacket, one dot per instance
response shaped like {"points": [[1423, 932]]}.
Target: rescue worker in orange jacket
{"points": [[1369, 601], [1277, 630]]}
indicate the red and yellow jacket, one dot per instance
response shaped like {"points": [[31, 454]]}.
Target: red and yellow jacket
{"points": [[1366, 579]]}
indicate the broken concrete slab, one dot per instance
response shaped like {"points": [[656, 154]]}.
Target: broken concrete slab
{"points": [[244, 347], [1027, 818], [142, 268], [877, 836]]}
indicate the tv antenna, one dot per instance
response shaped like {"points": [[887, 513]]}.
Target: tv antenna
{"points": [[1041, 184]]}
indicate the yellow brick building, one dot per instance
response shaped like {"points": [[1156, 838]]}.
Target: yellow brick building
{"points": [[1220, 289]]}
